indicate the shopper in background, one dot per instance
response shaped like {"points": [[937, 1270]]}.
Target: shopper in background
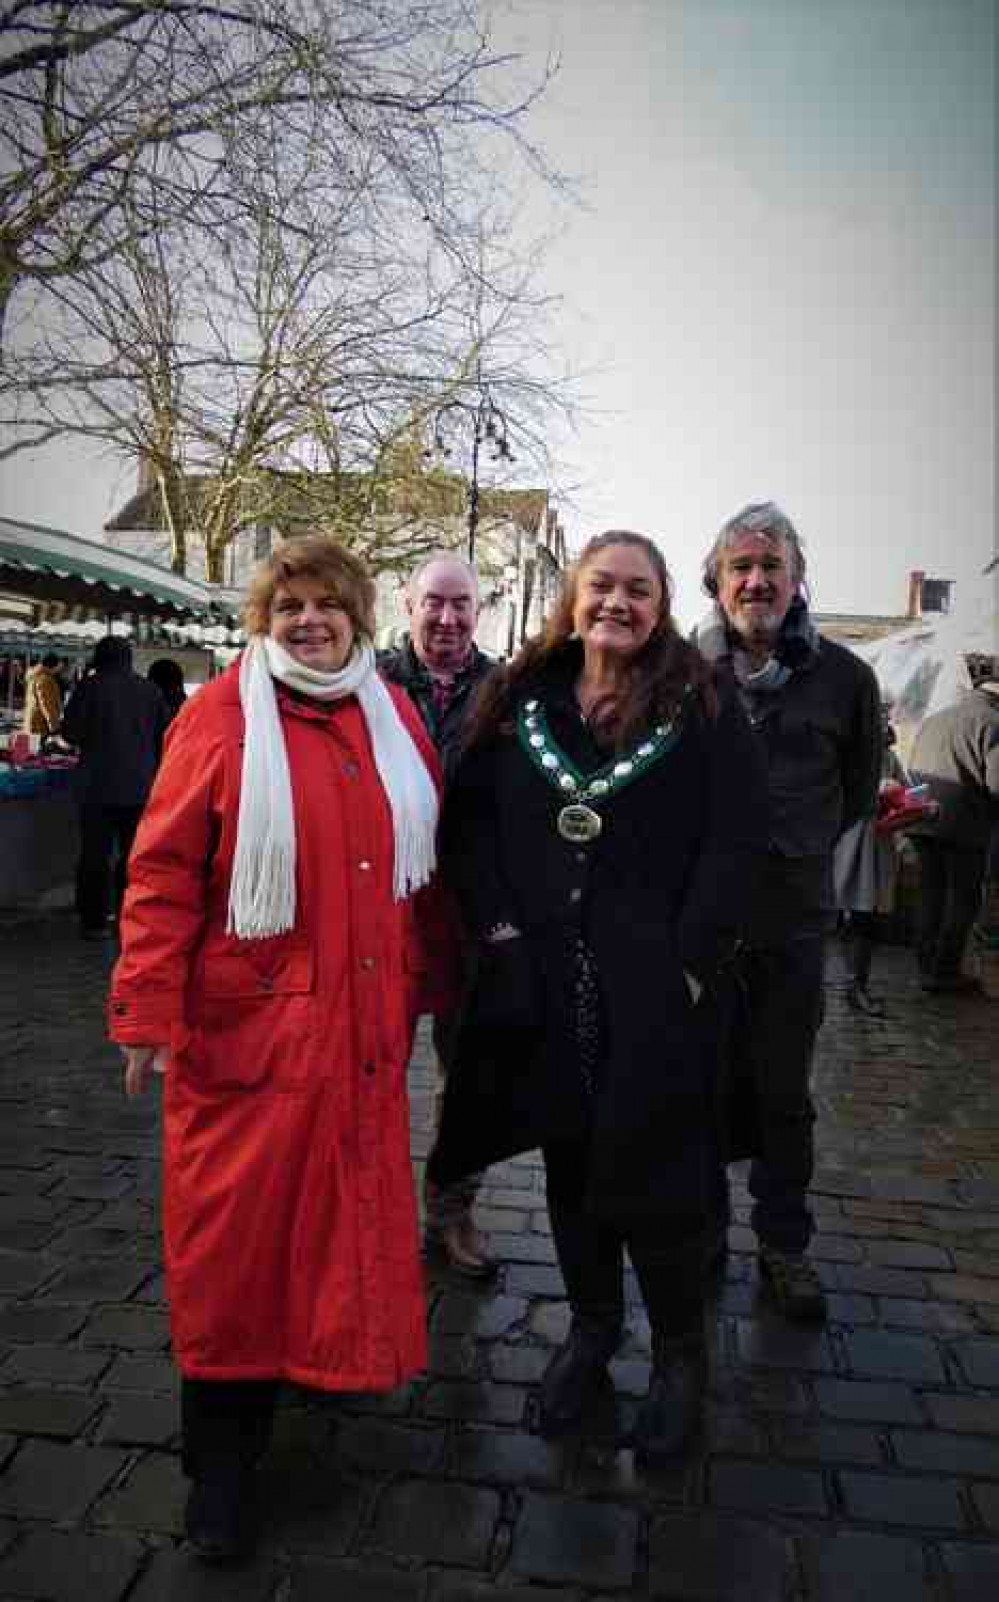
{"points": [[43, 697], [168, 676], [865, 874], [117, 721], [956, 752]]}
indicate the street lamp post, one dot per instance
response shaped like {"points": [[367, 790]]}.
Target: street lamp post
{"points": [[489, 425]]}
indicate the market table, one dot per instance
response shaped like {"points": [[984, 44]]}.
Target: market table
{"points": [[39, 833]]}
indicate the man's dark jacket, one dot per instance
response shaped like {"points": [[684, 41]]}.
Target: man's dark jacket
{"points": [[402, 666], [117, 720], [820, 734]]}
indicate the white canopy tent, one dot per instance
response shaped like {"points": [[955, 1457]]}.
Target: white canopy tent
{"points": [[924, 666]]}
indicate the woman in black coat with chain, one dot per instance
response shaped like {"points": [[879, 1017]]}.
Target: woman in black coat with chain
{"points": [[602, 836]]}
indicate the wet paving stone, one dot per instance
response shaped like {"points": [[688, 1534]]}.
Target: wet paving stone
{"points": [[130, 1420], [28, 1322], [868, 1401], [98, 1280], [973, 1571], [561, 1541], [504, 1457], [331, 1582], [63, 1365], [179, 1576], [44, 1480], [707, 1558], [152, 1497], [979, 1362], [906, 1357], [71, 1566], [462, 1588], [920, 1503], [866, 1568], [834, 1465], [134, 1328], [379, 1447], [31, 1410], [439, 1523], [755, 1487]]}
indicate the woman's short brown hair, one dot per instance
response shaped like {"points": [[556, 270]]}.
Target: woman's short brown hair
{"points": [[317, 557]]}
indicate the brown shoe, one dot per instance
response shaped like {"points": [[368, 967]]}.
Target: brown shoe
{"points": [[793, 1284], [463, 1248]]}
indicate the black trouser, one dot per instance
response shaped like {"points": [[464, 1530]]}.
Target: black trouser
{"points": [[950, 893], [106, 835], [226, 1423], [786, 1004], [590, 1253], [860, 936]]}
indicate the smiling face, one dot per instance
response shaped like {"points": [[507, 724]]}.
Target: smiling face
{"points": [[310, 623], [618, 601], [443, 606], [755, 585]]}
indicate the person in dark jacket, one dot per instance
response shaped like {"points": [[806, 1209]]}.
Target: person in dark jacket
{"points": [[440, 666], [956, 752], [815, 709], [116, 720], [168, 677], [601, 835]]}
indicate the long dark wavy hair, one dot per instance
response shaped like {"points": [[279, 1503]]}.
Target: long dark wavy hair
{"points": [[658, 675]]}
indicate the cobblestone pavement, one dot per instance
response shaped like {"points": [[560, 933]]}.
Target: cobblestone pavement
{"points": [[858, 1462]]}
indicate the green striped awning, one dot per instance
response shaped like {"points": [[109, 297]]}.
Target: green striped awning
{"points": [[58, 569]]}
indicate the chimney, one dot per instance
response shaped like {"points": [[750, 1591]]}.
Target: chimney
{"points": [[916, 580]]}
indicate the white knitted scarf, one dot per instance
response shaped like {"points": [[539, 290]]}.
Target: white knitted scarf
{"points": [[262, 891]]}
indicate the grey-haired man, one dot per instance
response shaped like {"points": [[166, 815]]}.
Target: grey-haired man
{"points": [[815, 709], [441, 667]]}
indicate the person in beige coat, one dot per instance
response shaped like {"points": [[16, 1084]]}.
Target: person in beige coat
{"points": [[43, 697]]}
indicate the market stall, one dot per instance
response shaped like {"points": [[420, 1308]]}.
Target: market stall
{"points": [[58, 595]]}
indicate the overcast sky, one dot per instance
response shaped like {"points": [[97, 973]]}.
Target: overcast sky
{"points": [[783, 284]]}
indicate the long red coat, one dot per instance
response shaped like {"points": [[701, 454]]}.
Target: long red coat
{"points": [[289, 1217]]}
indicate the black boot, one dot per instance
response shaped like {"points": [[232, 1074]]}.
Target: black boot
{"points": [[577, 1374], [671, 1412], [860, 956], [226, 1429], [220, 1514]]}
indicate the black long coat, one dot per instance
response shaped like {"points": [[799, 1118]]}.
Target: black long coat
{"points": [[665, 887]]}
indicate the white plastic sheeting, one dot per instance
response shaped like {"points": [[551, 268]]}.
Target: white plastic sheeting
{"points": [[923, 667]]}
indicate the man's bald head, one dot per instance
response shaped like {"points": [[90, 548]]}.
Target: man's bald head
{"points": [[442, 599]]}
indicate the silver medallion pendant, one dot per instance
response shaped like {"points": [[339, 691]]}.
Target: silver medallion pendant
{"points": [[579, 823]]}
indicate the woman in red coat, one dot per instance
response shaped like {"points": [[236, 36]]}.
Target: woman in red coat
{"points": [[262, 969]]}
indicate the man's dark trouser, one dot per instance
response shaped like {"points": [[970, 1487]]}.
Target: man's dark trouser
{"points": [[591, 1256], [106, 835], [446, 1204], [950, 893], [226, 1424], [786, 1005]]}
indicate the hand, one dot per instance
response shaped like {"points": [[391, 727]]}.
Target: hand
{"points": [[694, 986], [140, 1062]]}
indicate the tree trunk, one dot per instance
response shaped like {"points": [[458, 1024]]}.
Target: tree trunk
{"points": [[9, 280], [172, 502]]}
